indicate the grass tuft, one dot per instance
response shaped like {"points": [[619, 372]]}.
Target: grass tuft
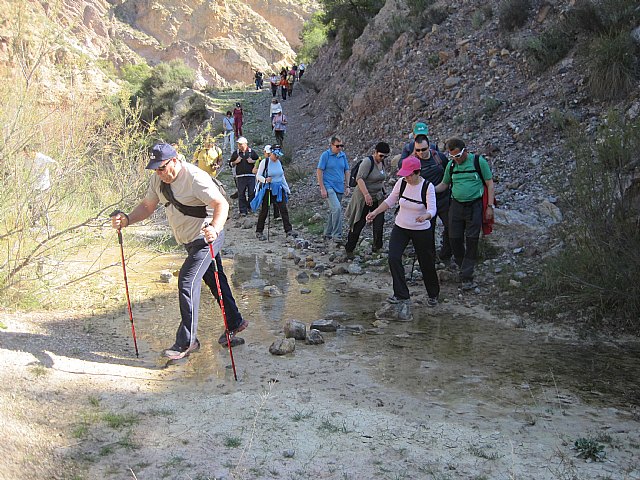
{"points": [[513, 14], [613, 65]]}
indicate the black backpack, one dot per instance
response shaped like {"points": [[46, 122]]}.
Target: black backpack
{"points": [[354, 171], [425, 186]]}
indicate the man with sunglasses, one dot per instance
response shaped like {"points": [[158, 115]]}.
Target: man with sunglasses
{"points": [[196, 211], [366, 198], [333, 178], [465, 211]]}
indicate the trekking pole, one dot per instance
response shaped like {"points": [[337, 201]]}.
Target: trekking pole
{"points": [[224, 315], [126, 288]]}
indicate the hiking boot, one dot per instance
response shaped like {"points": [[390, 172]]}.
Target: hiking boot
{"points": [[176, 351], [260, 236], [469, 285], [223, 338], [393, 299], [432, 302], [351, 255]]}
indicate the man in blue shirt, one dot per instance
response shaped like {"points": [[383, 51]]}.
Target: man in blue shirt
{"points": [[333, 178]]}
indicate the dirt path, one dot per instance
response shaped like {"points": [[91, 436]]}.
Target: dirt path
{"points": [[458, 393]]}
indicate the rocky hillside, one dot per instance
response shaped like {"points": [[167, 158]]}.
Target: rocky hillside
{"points": [[81, 41], [465, 77]]}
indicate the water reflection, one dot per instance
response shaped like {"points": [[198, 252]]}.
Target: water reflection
{"points": [[443, 356]]}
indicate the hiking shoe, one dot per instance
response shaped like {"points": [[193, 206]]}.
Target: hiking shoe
{"points": [[469, 285], [432, 302], [260, 236], [176, 351], [223, 338], [351, 255], [393, 299]]}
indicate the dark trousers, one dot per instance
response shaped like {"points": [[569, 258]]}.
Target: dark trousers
{"points": [[274, 90], [465, 222], [423, 245], [264, 212], [197, 267], [284, 93], [246, 188], [377, 225], [279, 136]]}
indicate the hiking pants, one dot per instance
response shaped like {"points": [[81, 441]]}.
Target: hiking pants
{"points": [[274, 90], [423, 245], [333, 228], [377, 225], [465, 222], [284, 92], [281, 207], [246, 187], [279, 136], [197, 267]]}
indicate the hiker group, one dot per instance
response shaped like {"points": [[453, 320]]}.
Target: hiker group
{"points": [[456, 187]]}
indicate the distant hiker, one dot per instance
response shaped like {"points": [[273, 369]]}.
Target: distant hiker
{"points": [[237, 120], [258, 78], [279, 123], [333, 179], [273, 83], [227, 126], [284, 86], [432, 165], [266, 155], [274, 191], [197, 212], [291, 79], [208, 157], [465, 211], [366, 198], [417, 200], [274, 107], [243, 160], [301, 68], [40, 199]]}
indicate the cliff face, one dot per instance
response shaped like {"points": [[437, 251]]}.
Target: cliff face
{"points": [[77, 41]]}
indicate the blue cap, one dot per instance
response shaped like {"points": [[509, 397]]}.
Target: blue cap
{"points": [[277, 152], [160, 153]]}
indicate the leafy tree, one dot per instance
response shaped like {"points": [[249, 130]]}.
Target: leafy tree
{"points": [[313, 37], [349, 19]]}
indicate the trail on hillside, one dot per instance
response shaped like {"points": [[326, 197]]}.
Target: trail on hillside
{"points": [[459, 392]]}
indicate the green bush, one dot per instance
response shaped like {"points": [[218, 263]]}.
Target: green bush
{"points": [[613, 65], [596, 274], [513, 14], [348, 18], [549, 47], [313, 37]]}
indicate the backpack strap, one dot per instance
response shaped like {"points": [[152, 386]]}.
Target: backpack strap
{"points": [[371, 166], [425, 186], [476, 165], [189, 210]]}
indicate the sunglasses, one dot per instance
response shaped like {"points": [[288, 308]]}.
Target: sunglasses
{"points": [[164, 167], [457, 155], [340, 145], [418, 150]]}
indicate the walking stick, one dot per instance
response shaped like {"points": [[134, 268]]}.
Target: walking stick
{"points": [[126, 288], [224, 315]]}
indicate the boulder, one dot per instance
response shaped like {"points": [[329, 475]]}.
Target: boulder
{"points": [[283, 346], [314, 337], [295, 329], [324, 325]]}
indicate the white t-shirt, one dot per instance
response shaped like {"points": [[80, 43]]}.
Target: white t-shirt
{"points": [[41, 170], [192, 187]]}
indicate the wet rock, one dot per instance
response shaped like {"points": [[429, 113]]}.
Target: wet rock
{"points": [[354, 269], [336, 315], [356, 329], [400, 312], [295, 329], [166, 276], [302, 277], [305, 291], [339, 270], [272, 291], [314, 337], [283, 346], [325, 325]]}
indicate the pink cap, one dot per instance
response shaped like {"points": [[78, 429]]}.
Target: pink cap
{"points": [[409, 165]]}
